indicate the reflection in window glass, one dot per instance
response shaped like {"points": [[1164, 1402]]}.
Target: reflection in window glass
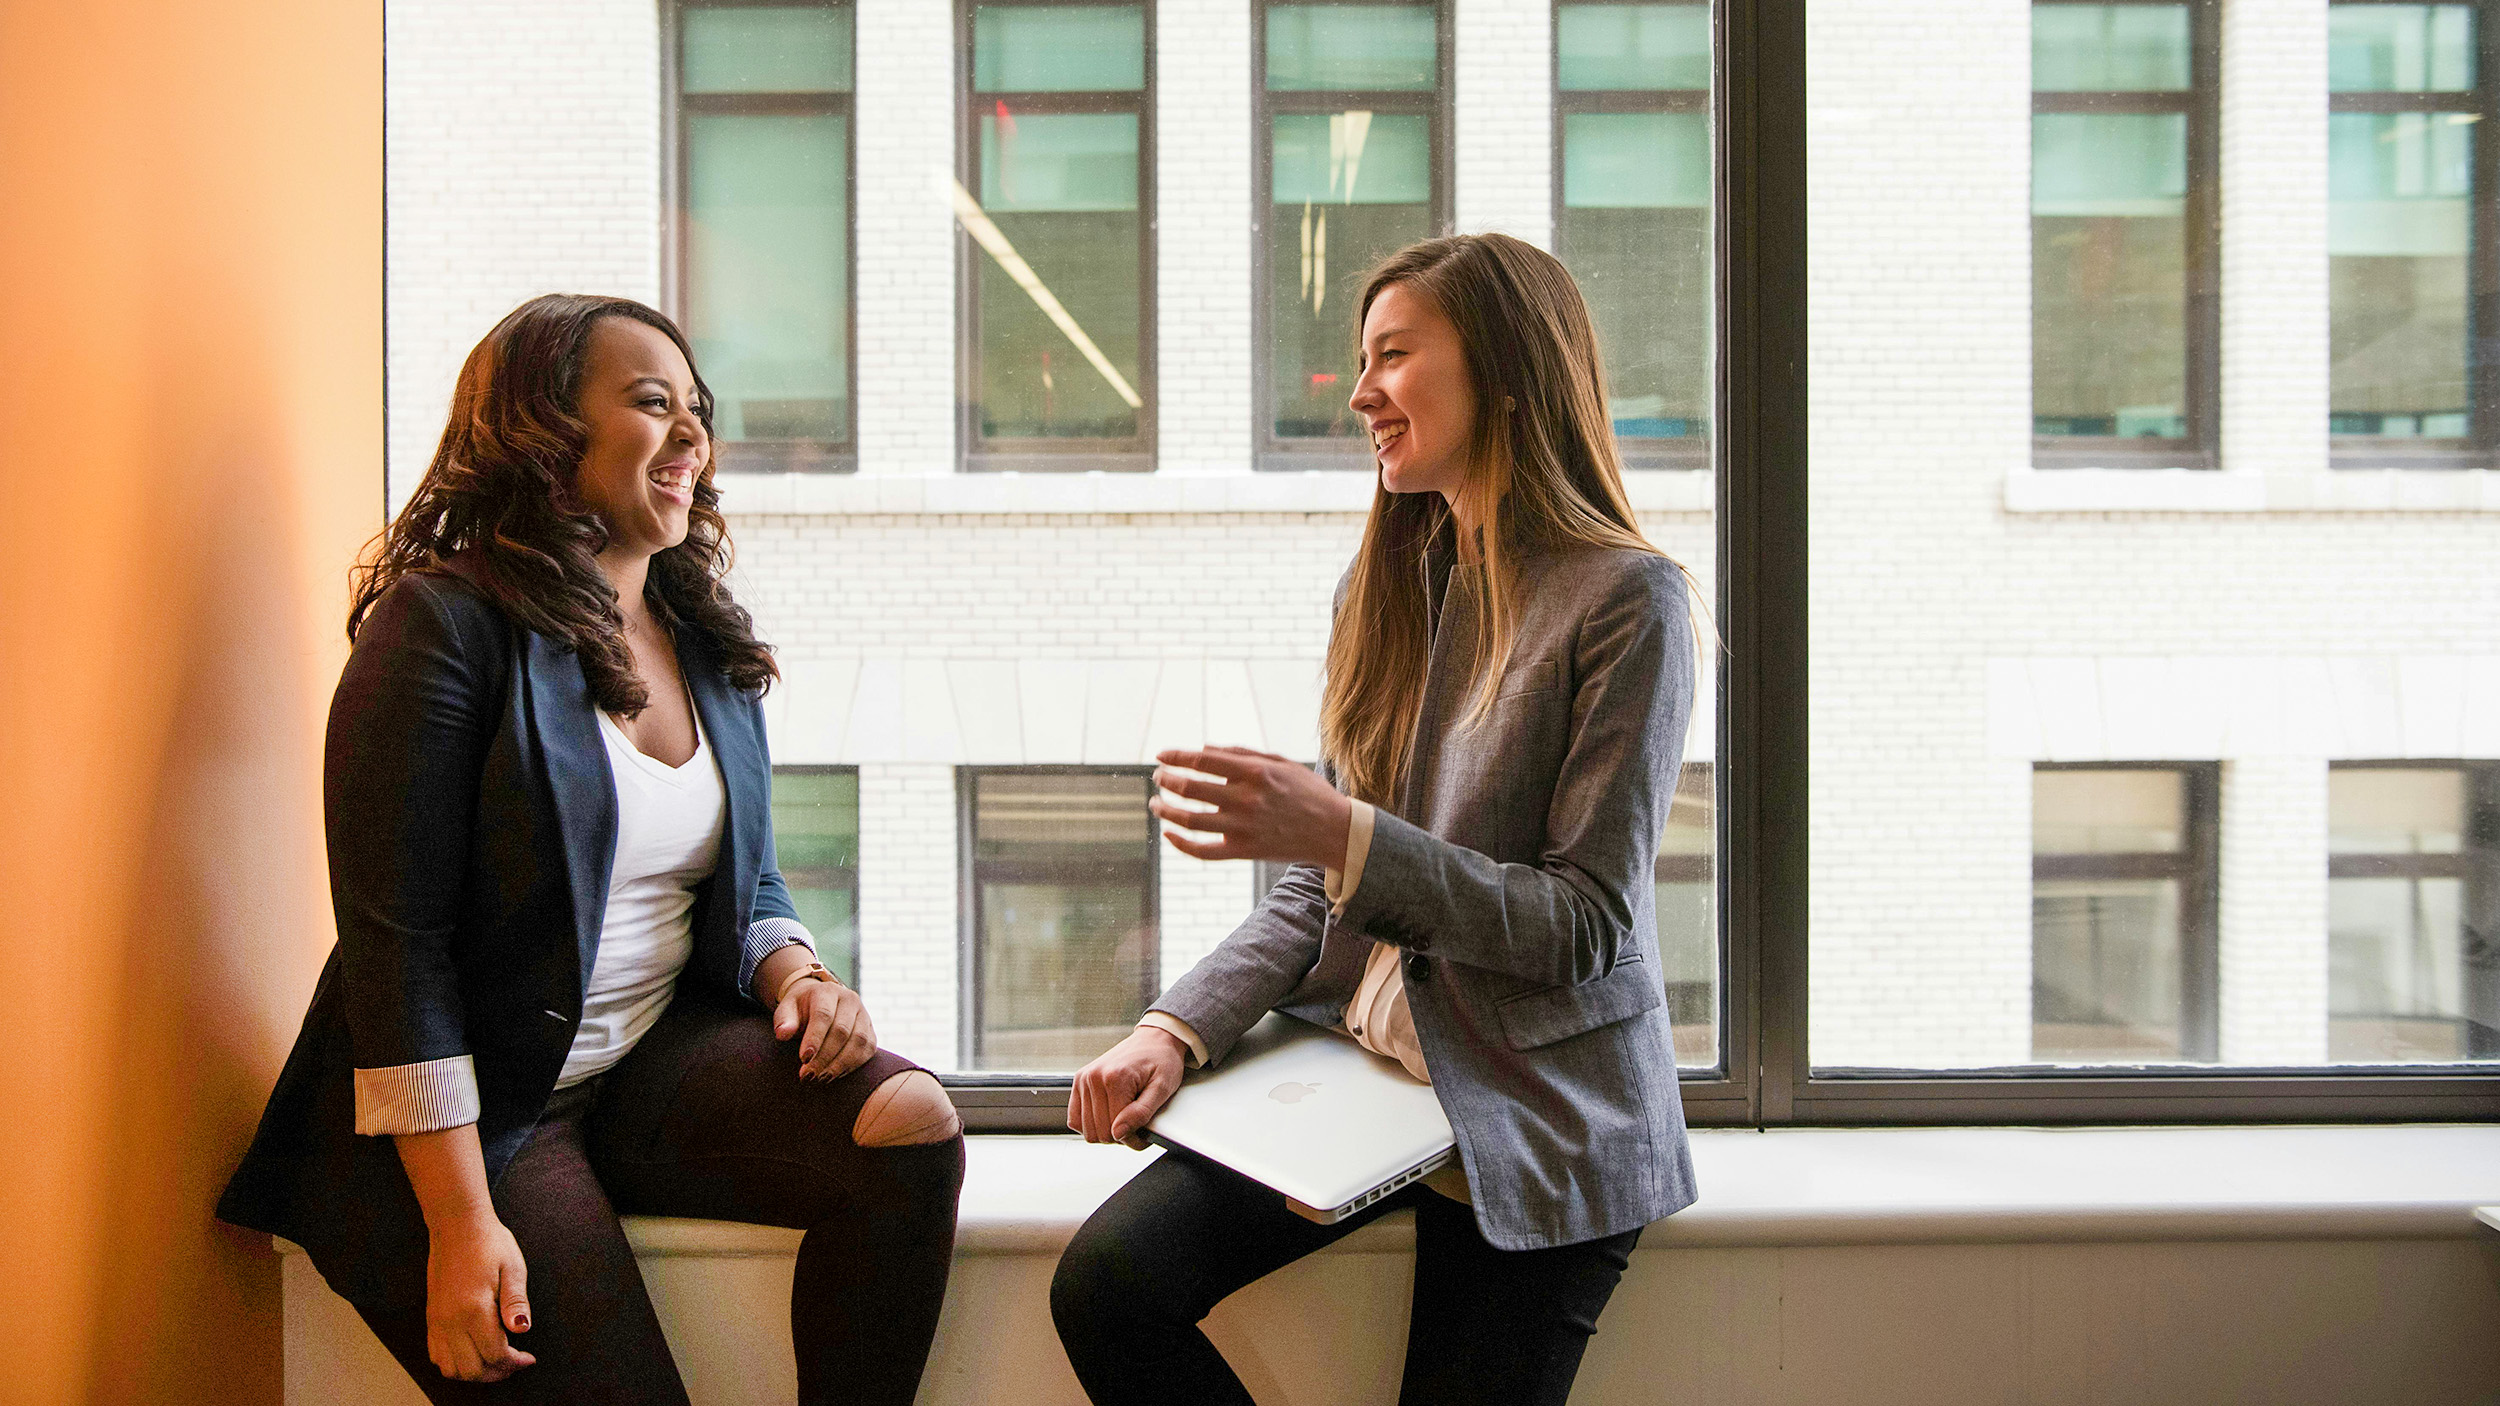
{"points": [[1688, 919], [2115, 921], [1063, 914], [1058, 110], [816, 838], [2400, 180], [2409, 888], [767, 224], [1351, 132], [1634, 223]]}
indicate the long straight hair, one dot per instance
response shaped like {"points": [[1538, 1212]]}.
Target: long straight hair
{"points": [[1542, 474]]}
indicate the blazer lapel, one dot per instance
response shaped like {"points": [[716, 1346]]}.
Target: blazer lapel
{"points": [[745, 780], [584, 790]]}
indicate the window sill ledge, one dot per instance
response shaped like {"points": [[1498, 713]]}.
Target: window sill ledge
{"points": [[1805, 1187], [1118, 494], [2030, 490]]}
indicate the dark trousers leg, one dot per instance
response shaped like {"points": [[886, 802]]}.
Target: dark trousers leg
{"points": [[592, 1328], [1506, 1326], [1155, 1259], [708, 1117]]}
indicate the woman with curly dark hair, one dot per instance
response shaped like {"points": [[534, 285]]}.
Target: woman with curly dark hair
{"points": [[569, 982]]}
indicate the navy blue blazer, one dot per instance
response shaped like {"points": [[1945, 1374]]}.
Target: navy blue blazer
{"points": [[471, 819]]}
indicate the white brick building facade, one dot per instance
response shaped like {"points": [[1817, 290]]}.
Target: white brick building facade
{"points": [[1970, 616]]}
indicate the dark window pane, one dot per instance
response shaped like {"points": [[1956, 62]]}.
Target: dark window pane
{"points": [[2400, 48], [1636, 235], [816, 837], [2109, 48], [1058, 48], [1063, 905], [768, 271], [1352, 48], [1648, 47], [1350, 188], [1688, 923], [1061, 189], [2109, 273], [742, 49], [2399, 227]]}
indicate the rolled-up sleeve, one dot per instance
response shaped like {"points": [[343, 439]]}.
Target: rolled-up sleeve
{"points": [[417, 1098], [765, 936]]}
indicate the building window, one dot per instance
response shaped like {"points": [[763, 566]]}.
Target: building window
{"points": [[1058, 254], [2123, 951], [2412, 970], [2124, 321], [1632, 213], [762, 257], [1688, 918], [816, 836], [1062, 908], [1353, 150], [2404, 235]]}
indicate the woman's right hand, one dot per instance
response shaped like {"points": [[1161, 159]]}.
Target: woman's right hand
{"points": [[476, 1289], [1116, 1094]]}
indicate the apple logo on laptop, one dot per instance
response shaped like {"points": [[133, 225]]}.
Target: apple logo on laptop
{"points": [[1290, 1092]]}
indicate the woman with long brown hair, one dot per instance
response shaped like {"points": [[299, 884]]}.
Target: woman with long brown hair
{"points": [[1510, 674], [569, 980]]}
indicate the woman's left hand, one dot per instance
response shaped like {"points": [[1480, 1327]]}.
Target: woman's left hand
{"points": [[1266, 807], [835, 1034]]}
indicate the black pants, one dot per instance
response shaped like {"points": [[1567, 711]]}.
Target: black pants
{"points": [[708, 1117], [1488, 1325]]}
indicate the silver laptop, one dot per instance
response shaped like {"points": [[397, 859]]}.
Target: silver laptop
{"points": [[1314, 1115]]}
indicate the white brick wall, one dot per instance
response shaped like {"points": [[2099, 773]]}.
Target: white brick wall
{"points": [[1504, 69], [908, 929], [1205, 209], [906, 236], [2274, 361]]}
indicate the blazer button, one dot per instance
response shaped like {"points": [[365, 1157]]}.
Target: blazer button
{"points": [[1418, 967]]}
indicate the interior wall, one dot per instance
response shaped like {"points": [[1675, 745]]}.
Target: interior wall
{"points": [[190, 322]]}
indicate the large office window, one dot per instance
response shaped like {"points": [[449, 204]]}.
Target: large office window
{"points": [[763, 226], [2123, 258], [1352, 146], [2413, 972], [2405, 234], [1053, 202], [1632, 213], [816, 834], [1061, 904], [1688, 918], [2122, 914]]}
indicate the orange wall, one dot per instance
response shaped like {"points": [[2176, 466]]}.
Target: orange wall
{"points": [[190, 361]]}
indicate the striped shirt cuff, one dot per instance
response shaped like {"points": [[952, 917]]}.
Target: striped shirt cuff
{"points": [[417, 1098], [765, 936]]}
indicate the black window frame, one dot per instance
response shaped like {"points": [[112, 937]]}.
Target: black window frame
{"points": [[1643, 455], [848, 875], [2201, 104], [2480, 449], [837, 456], [1268, 450], [979, 453], [2476, 865]]}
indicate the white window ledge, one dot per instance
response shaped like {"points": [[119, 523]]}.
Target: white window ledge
{"points": [[1025, 1196], [1093, 492], [2029, 490]]}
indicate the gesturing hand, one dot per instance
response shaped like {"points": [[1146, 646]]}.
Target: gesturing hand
{"points": [[476, 1289], [1266, 807], [1115, 1095], [839, 1036]]}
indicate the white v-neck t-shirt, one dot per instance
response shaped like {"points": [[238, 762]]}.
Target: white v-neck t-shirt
{"points": [[668, 834]]}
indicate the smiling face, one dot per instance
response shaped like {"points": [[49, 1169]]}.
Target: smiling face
{"points": [[647, 446], [1414, 394]]}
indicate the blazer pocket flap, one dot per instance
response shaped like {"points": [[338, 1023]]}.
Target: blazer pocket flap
{"points": [[1536, 677], [1541, 1017]]}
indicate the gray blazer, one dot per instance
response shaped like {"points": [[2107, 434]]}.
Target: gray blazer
{"points": [[1516, 874]]}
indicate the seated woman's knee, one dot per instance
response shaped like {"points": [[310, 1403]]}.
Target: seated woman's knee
{"points": [[908, 1110]]}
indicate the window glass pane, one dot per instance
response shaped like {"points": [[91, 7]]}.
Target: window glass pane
{"points": [[2109, 273], [2408, 977], [2390, 810], [2107, 812], [1632, 47], [2109, 48], [768, 50], [1058, 48], [1350, 188], [1688, 920], [2400, 48], [1635, 232], [1061, 188], [1352, 48], [2399, 229], [816, 838], [768, 272], [1063, 875], [2105, 971]]}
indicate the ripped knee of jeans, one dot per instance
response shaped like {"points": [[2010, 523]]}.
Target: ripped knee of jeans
{"points": [[906, 1110]]}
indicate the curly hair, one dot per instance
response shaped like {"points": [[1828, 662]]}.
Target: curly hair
{"points": [[500, 495]]}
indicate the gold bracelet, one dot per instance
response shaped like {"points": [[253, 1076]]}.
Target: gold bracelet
{"points": [[813, 971]]}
